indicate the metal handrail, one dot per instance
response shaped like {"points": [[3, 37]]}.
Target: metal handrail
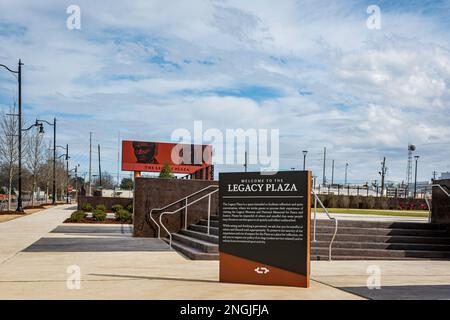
{"points": [[185, 206], [174, 203], [317, 199]]}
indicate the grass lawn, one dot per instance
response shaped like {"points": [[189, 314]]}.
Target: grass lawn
{"points": [[399, 213]]}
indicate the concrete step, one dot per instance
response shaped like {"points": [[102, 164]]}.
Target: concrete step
{"points": [[200, 235], [383, 231], [201, 245], [382, 254], [382, 224], [213, 223], [193, 253], [384, 246], [382, 239], [204, 229]]}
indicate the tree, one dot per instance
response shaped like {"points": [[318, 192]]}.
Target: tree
{"points": [[166, 172], [34, 158], [9, 155], [107, 181], [126, 184]]}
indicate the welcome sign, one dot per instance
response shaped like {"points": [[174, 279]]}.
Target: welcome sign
{"points": [[264, 228]]}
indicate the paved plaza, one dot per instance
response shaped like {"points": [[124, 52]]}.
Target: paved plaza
{"points": [[37, 251]]}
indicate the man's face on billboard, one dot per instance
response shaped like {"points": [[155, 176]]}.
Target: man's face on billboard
{"points": [[144, 151]]}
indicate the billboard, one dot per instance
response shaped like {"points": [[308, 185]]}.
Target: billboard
{"points": [[152, 156], [264, 228]]}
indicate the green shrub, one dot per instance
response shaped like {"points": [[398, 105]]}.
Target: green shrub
{"points": [[116, 208], [98, 215], [87, 207], [101, 207], [124, 216], [129, 207], [77, 216]]}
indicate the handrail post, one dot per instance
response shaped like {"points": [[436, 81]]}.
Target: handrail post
{"points": [[209, 211], [315, 218], [186, 213]]}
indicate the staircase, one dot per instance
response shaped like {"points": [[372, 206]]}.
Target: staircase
{"points": [[355, 240], [195, 243], [375, 240]]}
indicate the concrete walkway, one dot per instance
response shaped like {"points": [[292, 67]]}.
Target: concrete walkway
{"points": [[17, 234], [38, 256]]}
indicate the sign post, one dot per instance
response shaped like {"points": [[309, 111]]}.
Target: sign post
{"points": [[264, 228]]}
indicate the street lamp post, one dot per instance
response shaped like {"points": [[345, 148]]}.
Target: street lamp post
{"points": [[305, 152], [19, 115], [66, 155], [415, 177], [346, 168], [54, 156]]}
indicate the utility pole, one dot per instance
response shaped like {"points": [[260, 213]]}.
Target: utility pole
{"points": [[54, 163], [76, 182], [332, 173], [99, 167], [383, 173], [305, 152], [90, 163], [434, 175], [324, 165], [118, 160], [415, 177]]}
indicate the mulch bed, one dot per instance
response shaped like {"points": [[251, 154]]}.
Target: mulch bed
{"points": [[11, 212], [90, 220]]}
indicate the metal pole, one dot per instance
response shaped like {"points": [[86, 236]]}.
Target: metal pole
{"points": [[332, 173], [67, 166], [209, 211], [76, 183], [245, 163], [415, 178], [383, 172], [99, 167], [54, 163], [305, 152], [345, 181], [90, 163], [315, 212], [185, 213], [324, 162], [19, 199]]}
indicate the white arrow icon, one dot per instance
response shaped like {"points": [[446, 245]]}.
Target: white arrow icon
{"points": [[262, 270]]}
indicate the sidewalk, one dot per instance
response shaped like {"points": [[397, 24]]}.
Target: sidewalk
{"points": [[17, 234], [114, 265]]}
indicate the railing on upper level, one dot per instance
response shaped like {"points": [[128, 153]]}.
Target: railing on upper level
{"points": [[185, 207], [149, 216]]}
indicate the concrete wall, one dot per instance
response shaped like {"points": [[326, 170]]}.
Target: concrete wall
{"points": [[107, 201], [441, 203], [363, 202], [156, 193]]}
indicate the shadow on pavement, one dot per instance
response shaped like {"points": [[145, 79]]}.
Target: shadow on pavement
{"points": [[153, 278], [410, 292]]}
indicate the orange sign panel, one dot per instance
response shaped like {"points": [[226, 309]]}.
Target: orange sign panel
{"points": [[152, 156]]}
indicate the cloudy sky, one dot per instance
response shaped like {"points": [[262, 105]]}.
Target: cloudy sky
{"points": [[311, 69]]}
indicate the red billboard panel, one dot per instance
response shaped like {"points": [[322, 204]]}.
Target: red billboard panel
{"points": [[152, 156]]}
